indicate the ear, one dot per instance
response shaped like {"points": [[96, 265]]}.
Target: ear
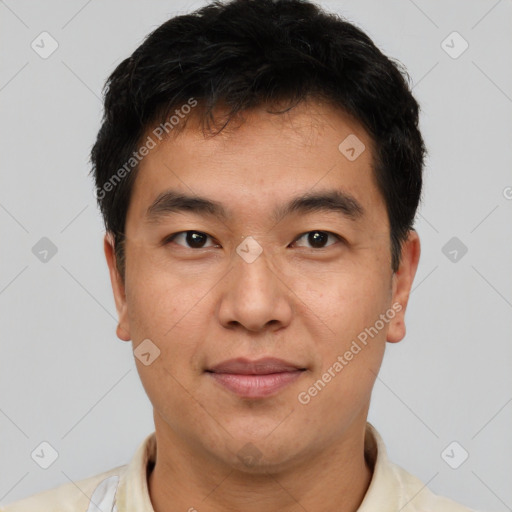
{"points": [[123, 328], [402, 283]]}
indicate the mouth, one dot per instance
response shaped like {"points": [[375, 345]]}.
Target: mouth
{"points": [[255, 379]]}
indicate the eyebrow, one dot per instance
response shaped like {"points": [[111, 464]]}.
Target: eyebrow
{"points": [[338, 201]]}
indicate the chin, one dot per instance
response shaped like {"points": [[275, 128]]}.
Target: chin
{"points": [[274, 452]]}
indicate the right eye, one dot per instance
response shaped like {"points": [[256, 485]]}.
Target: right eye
{"points": [[194, 239]]}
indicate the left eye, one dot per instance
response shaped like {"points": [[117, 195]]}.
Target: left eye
{"points": [[194, 239], [318, 239]]}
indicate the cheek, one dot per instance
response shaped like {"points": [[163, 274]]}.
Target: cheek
{"points": [[350, 305], [157, 296], [341, 382], [163, 308], [344, 302], [152, 303], [166, 311]]}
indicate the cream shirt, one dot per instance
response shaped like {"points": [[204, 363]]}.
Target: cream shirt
{"points": [[125, 488]]}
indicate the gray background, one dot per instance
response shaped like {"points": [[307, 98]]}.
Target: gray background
{"points": [[64, 376]]}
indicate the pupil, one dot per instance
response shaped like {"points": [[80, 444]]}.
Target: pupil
{"points": [[195, 239], [317, 238]]}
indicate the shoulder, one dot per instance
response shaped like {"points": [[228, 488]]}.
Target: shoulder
{"points": [[397, 488], [417, 497], [72, 496]]}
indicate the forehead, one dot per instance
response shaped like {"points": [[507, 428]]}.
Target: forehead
{"points": [[261, 160]]}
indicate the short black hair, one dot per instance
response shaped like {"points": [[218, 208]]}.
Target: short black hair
{"points": [[245, 54]]}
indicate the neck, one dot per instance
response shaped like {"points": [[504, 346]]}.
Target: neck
{"points": [[335, 479]]}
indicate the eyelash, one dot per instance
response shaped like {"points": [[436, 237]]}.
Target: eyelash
{"points": [[171, 238]]}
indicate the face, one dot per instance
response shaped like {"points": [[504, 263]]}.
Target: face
{"points": [[270, 299]]}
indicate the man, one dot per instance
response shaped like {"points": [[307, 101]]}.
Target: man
{"points": [[258, 168]]}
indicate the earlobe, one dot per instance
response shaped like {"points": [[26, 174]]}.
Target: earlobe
{"points": [[118, 288], [122, 334], [402, 283]]}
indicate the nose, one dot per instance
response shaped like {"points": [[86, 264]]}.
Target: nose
{"points": [[254, 296]]}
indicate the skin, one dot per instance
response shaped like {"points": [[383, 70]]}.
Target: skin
{"points": [[300, 303]]}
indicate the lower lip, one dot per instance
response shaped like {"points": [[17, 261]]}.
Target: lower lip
{"points": [[256, 386]]}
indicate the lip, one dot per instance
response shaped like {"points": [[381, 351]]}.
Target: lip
{"points": [[263, 366], [257, 378]]}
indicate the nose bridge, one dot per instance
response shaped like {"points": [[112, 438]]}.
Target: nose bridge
{"points": [[254, 296], [252, 265]]}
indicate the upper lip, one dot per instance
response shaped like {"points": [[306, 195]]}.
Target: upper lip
{"points": [[263, 366]]}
